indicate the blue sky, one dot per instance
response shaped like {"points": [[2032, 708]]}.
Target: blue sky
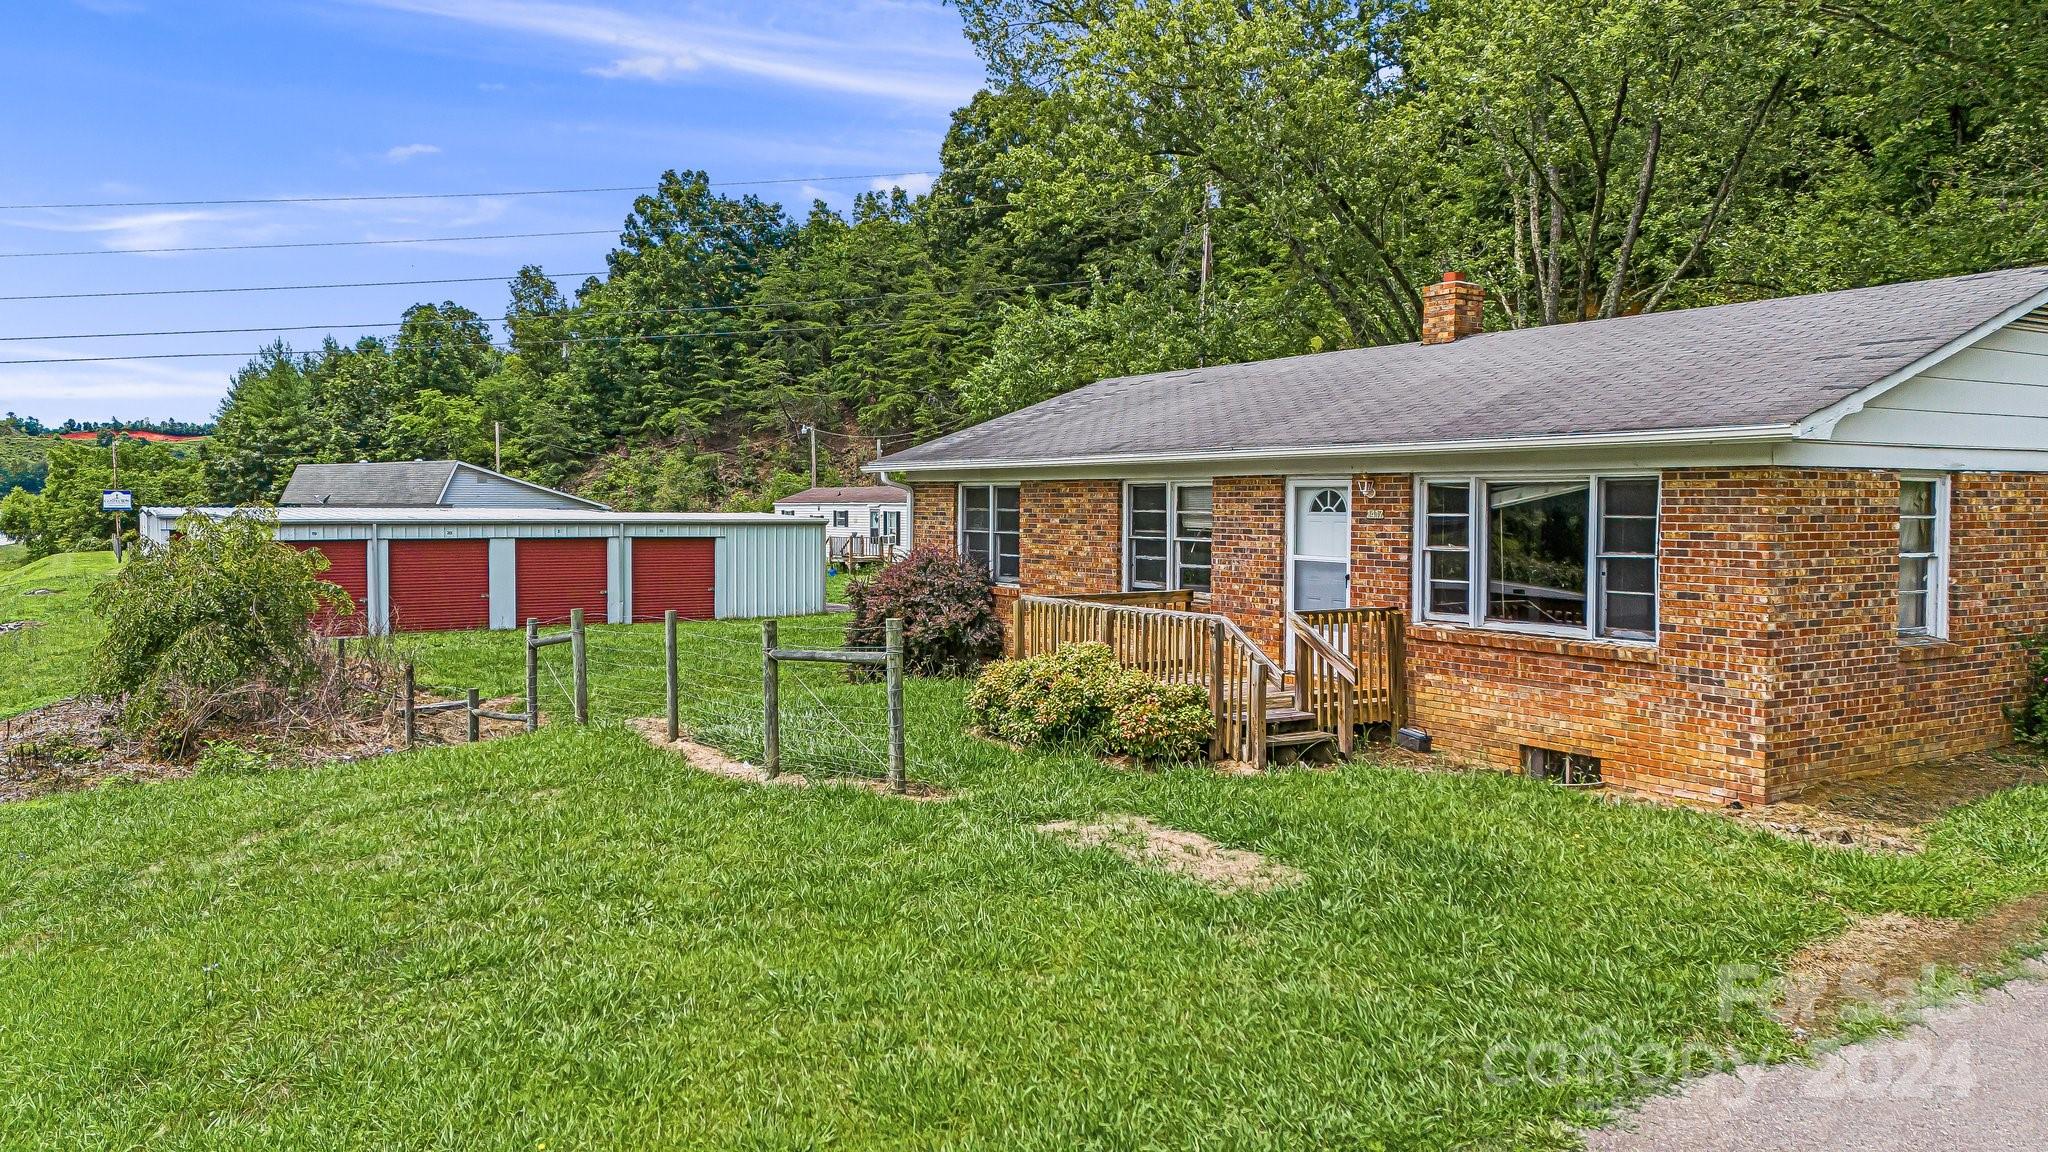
{"points": [[162, 100]]}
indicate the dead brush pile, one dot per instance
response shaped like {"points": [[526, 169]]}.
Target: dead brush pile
{"points": [[348, 710]]}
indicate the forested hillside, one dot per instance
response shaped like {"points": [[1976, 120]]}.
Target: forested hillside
{"points": [[1151, 186], [23, 460]]}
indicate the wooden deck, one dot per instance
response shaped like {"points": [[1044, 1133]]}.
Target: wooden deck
{"points": [[1348, 665]]}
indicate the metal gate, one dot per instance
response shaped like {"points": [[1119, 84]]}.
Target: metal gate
{"points": [[440, 585]]}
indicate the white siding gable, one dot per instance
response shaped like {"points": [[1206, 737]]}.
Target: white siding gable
{"points": [[471, 488], [1992, 395]]}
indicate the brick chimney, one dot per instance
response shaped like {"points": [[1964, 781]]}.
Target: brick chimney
{"points": [[1452, 309]]}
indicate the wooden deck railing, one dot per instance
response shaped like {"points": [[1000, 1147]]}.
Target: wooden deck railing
{"points": [[1363, 648], [1348, 663], [1169, 645]]}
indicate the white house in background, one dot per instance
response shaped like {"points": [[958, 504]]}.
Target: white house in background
{"points": [[866, 522], [418, 484]]}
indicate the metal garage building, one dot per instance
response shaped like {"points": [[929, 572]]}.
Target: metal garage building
{"points": [[418, 569]]}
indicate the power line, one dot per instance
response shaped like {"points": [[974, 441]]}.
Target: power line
{"points": [[639, 338], [680, 310], [285, 287], [378, 197], [307, 244]]}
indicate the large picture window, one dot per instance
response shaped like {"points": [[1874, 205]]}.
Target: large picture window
{"points": [[989, 529], [1167, 532], [1565, 556], [1923, 557]]}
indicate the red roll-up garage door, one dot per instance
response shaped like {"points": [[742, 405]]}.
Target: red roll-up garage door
{"points": [[348, 568], [440, 585], [558, 575], [674, 574]]}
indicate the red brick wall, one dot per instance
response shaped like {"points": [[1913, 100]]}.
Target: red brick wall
{"points": [[1777, 665], [1248, 574], [1382, 535], [935, 516], [1682, 719], [1073, 537], [1851, 697]]}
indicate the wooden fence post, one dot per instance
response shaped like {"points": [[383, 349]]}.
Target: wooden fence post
{"points": [[771, 717], [668, 628], [532, 674], [474, 705], [894, 627], [1257, 718], [411, 720], [1018, 650], [580, 657], [1216, 699], [1397, 672]]}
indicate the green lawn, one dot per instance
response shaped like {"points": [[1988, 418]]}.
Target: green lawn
{"points": [[48, 662], [572, 941]]}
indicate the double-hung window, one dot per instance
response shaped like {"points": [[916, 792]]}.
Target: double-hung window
{"points": [[989, 529], [1568, 556], [840, 518], [1167, 532], [1923, 557]]}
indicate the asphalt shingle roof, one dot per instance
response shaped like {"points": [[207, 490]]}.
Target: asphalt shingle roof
{"points": [[859, 494], [1770, 362], [398, 484]]}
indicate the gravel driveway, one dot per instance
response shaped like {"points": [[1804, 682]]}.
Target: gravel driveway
{"points": [[1972, 1077]]}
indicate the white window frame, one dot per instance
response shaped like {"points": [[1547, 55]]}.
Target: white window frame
{"points": [[1938, 560], [994, 552], [1479, 533], [1173, 537], [841, 518]]}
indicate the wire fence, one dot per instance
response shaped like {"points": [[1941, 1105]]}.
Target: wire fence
{"points": [[831, 723]]}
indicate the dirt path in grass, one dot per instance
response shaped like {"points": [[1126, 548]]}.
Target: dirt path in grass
{"points": [[1187, 854], [1967, 1078], [707, 759]]}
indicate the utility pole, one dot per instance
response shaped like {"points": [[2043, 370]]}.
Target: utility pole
{"points": [[114, 454], [497, 446], [1209, 200], [811, 430]]}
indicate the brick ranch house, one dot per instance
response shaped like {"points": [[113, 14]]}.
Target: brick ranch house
{"points": [[1725, 552]]}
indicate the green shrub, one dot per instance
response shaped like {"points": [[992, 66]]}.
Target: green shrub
{"points": [[1079, 694], [1055, 696], [950, 626], [1150, 721], [227, 758], [215, 627], [2030, 717]]}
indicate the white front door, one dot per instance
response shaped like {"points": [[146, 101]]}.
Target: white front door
{"points": [[1319, 545]]}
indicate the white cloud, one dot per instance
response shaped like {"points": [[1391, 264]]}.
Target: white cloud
{"points": [[882, 63], [126, 231], [647, 68], [915, 183], [186, 390], [404, 152]]}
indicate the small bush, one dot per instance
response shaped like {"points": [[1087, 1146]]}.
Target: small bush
{"points": [[1080, 694], [1063, 695], [215, 627], [2030, 717], [227, 758], [1150, 721], [950, 627]]}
